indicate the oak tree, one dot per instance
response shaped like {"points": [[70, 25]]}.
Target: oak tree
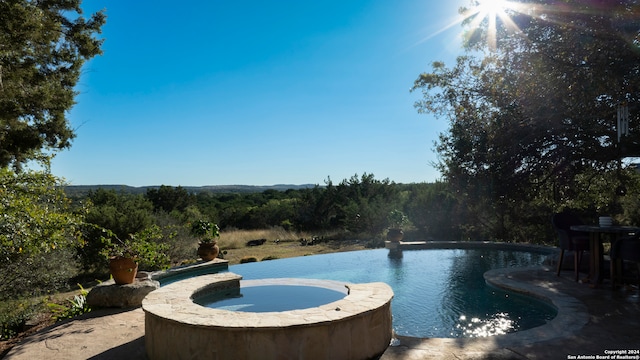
{"points": [[532, 106]]}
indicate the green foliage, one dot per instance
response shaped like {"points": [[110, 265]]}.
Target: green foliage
{"points": [[397, 219], [76, 306], [206, 230], [37, 274], [168, 199], [176, 236], [433, 209], [145, 247], [44, 45], [119, 214], [37, 229], [359, 205], [36, 215], [532, 120], [376, 242], [14, 314]]}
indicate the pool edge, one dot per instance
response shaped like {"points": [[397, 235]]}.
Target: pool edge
{"points": [[572, 313], [175, 327]]}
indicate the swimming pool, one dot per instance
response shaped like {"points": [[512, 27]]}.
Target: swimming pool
{"points": [[438, 292]]}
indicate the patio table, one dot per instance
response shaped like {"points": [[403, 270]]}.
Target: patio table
{"points": [[596, 258]]}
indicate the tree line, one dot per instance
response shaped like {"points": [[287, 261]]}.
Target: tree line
{"points": [[543, 117]]}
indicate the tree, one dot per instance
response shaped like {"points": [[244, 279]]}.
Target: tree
{"points": [[121, 213], [36, 225], [363, 203], [533, 113], [43, 45], [431, 208], [167, 198]]}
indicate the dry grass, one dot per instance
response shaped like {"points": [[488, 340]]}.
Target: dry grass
{"points": [[235, 239], [234, 242], [279, 244]]}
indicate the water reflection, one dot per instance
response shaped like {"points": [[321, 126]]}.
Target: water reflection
{"points": [[395, 264], [482, 308], [432, 288], [498, 324], [395, 254]]}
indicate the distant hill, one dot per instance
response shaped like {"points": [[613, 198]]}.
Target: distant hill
{"points": [[81, 190]]}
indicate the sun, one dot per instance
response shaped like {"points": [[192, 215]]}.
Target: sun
{"points": [[491, 10], [490, 15], [491, 7]]}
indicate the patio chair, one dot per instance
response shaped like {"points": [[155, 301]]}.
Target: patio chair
{"points": [[624, 249], [570, 240]]}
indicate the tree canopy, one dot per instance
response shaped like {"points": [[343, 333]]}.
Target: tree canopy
{"points": [[532, 106], [43, 45]]}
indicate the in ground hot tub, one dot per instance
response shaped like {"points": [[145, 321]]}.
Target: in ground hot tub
{"points": [[356, 326], [274, 295]]}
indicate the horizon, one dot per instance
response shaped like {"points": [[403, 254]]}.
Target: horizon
{"points": [[225, 185]]}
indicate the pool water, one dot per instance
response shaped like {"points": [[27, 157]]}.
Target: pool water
{"points": [[268, 298], [438, 293]]}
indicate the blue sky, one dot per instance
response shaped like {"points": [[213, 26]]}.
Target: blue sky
{"points": [[258, 92]]}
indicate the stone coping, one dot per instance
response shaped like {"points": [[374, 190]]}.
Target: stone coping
{"points": [[338, 286], [572, 316], [175, 302], [421, 245], [572, 313], [199, 268]]}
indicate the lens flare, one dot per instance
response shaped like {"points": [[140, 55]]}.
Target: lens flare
{"points": [[491, 11]]}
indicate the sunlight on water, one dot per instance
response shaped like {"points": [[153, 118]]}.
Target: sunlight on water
{"points": [[498, 324], [432, 288]]}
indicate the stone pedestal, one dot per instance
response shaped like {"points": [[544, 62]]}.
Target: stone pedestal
{"points": [[108, 294]]}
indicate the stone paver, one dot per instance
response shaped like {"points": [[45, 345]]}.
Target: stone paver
{"points": [[613, 324], [101, 334]]}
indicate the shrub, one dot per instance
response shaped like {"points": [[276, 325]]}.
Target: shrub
{"points": [[14, 314], [36, 225], [77, 306], [374, 243], [145, 247], [177, 237], [118, 212], [37, 274]]}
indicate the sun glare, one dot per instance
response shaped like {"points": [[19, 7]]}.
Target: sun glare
{"points": [[489, 15], [491, 7], [492, 10]]}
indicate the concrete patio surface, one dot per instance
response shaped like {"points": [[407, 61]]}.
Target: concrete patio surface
{"points": [[612, 323]]}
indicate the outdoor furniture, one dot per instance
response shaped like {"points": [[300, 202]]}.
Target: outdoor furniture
{"points": [[624, 249], [596, 258], [570, 240]]}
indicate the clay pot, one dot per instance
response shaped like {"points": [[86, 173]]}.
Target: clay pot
{"points": [[123, 270], [208, 251], [395, 235]]}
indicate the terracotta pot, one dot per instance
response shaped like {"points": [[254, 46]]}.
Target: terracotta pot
{"points": [[123, 270], [208, 251], [395, 235]]}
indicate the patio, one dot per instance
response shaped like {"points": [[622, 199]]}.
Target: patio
{"points": [[613, 323]]}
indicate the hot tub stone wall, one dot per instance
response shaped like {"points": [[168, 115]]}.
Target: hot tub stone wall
{"points": [[355, 327]]}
